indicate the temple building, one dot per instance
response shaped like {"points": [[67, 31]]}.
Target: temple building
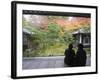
{"points": [[26, 39], [83, 37]]}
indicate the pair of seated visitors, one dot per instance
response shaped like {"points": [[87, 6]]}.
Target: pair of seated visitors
{"points": [[72, 59]]}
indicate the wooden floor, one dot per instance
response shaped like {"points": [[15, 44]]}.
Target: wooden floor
{"points": [[46, 62]]}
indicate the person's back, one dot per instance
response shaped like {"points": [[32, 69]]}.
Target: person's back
{"points": [[69, 56], [80, 56]]}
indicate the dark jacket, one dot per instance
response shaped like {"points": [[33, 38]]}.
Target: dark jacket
{"points": [[81, 57], [69, 57]]}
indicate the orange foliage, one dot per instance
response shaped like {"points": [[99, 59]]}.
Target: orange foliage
{"points": [[75, 23]]}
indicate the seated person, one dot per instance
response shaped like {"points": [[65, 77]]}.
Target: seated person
{"points": [[69, 56], [80, 56]]}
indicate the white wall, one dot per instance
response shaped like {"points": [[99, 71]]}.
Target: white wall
{"points": [[5, 37]]}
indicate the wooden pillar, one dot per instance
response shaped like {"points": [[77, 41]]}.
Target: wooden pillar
{"points": [[80, 38]]}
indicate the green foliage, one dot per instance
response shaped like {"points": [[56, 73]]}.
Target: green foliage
{"points": [[86, 29], [53, 27], [52, 42], [57, 17], [88, 50], [68, 38]]}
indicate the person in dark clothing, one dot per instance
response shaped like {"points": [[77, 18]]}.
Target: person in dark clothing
{"points": [[80, 56], [69, 56]]}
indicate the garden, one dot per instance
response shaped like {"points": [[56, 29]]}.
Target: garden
{"points": [[49, 40]]}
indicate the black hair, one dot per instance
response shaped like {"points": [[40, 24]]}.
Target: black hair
{"points": [[70, 46], [80, 46]]}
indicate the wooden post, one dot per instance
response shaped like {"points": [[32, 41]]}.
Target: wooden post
{"points": [[80, 38]]}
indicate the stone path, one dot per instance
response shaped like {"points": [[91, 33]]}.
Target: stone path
{"points": [[46, 62]]}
